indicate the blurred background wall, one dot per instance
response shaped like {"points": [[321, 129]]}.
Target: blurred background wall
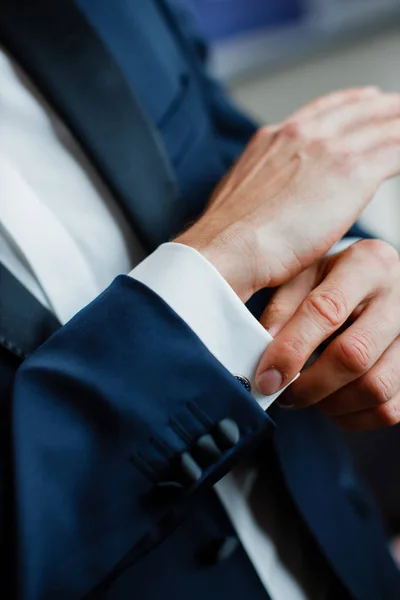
{"points": [[275, 55]]}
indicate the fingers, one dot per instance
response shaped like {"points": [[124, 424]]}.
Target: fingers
{"points": [[381, 157], [358, 129], [287, 299], [356, 274], [373, 137], [356, 114], [333, 100], [377, 387], [384, 163], [372, 418], [350, 356]]}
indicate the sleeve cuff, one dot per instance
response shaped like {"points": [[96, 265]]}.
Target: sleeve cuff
{"points": [[197, 292], [342, 245]]}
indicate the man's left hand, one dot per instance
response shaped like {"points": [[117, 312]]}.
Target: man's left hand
{"points": [[354, 296]]}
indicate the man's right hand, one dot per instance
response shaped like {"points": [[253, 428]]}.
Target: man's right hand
{"points": [[298, 187]]}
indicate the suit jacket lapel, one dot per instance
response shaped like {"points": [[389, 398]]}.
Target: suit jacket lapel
{"points": [[68, 62], [313, 471], [24, 323]]}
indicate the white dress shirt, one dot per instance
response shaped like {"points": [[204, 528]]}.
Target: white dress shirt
{"points": [[63, 236]]}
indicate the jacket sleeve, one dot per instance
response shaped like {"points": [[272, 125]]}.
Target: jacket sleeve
{"points": [[119, 420], [233, 127], [357, 231]]}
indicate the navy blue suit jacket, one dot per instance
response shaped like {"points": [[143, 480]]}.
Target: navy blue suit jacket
{"points": [[99, 426]]}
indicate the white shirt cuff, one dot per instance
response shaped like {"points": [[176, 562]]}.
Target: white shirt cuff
{"points": [[198, 293], [342, 244]]}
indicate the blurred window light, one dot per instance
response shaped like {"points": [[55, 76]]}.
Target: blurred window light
{"points": [[247, 35]]}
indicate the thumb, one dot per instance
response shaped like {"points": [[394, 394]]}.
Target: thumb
{"points": [[280, 310]]}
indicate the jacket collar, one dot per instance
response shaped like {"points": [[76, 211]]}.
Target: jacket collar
{"points": [[319, 473]]}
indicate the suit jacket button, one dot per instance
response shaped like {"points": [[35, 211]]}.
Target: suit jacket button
{"points": [[191, 469], [206, 449], [227, 434], [164, 493], [218, 550]]}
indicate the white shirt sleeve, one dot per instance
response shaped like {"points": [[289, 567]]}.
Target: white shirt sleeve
{"points": [[198, 293], [342, 245]]}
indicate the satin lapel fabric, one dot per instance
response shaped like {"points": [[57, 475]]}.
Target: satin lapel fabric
{"points": [[67, 60]]}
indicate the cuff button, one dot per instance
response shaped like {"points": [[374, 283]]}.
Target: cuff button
{"points": [[244, 381], [164, 493], [207, 449], [227, 434], [190, 467]]}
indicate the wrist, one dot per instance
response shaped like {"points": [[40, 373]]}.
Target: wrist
{"points": [[233, 258]]}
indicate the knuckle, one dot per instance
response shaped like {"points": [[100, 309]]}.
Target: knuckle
{"points": [[384, 253], [293, 351], [257, 138], [379, 387], [355, 353], [320, 147], [293, 130], [388, 414], [329, 306], [263, 132], [276, 313], [345, 162], [262, 136]]}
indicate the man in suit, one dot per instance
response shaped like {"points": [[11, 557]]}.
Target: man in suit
{"points": [[137, 454]]}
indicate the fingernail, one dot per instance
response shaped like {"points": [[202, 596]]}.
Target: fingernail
{"points": [[269, 382]]}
